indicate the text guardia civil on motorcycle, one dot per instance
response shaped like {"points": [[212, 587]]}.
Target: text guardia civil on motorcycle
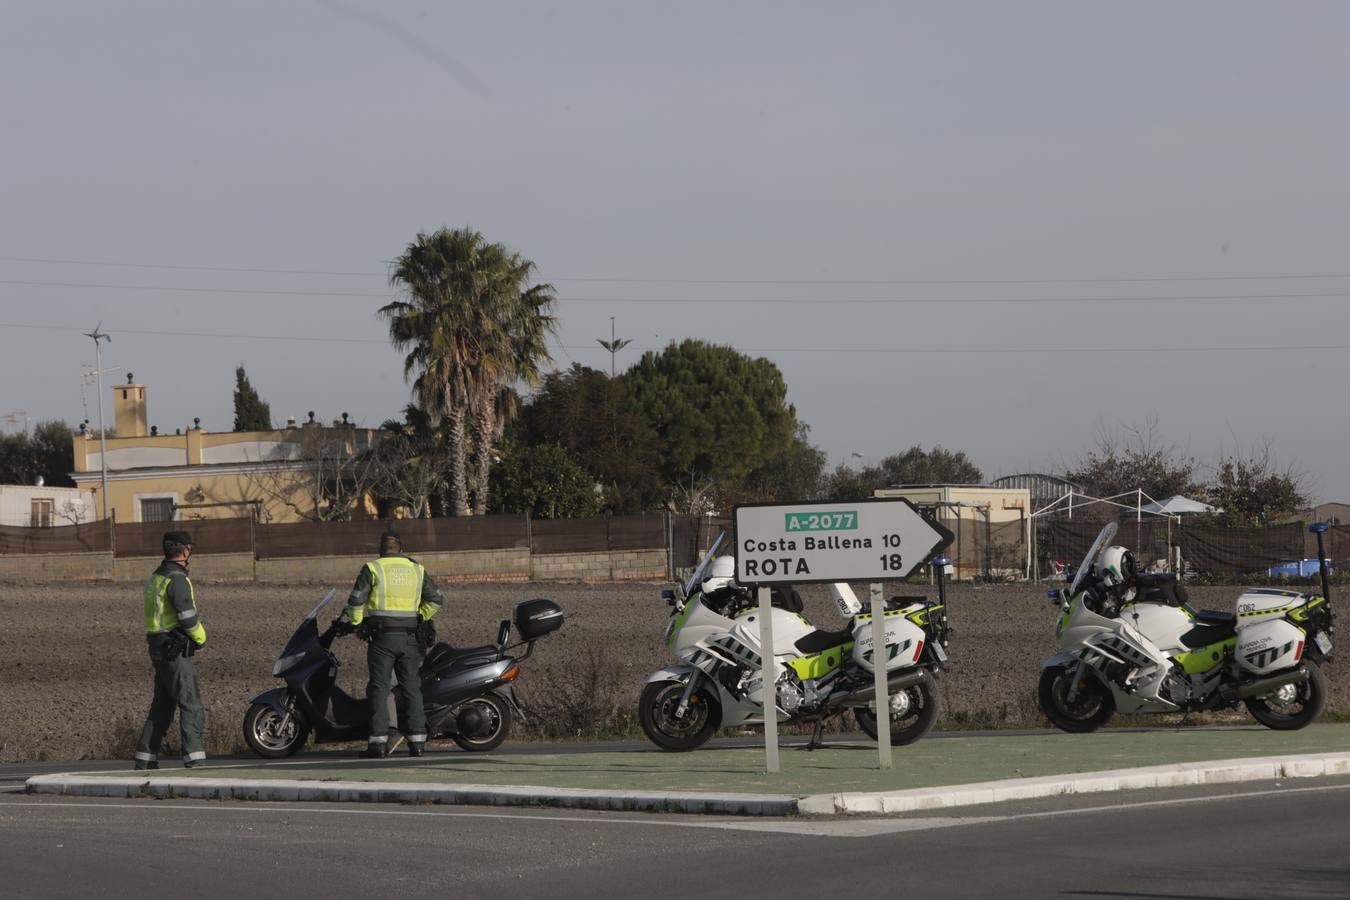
{"points": [[1133, 645], [714, 630], [466, 691]]}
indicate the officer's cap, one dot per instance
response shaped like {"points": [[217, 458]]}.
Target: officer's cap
{"points": [[178, 537]]}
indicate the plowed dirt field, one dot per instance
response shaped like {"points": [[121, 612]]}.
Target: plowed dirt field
{"points": [[76, 679]]}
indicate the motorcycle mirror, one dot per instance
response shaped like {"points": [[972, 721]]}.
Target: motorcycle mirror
{"points": [[503, 633]]}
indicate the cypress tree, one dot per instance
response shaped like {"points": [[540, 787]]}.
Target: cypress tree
{"points": [[250, 412]]}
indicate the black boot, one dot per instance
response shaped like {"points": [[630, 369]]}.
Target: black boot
{"points": [[415, 749], [373, 751], [142, 765]]}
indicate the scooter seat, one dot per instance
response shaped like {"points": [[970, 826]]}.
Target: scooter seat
{"points": [[443, 654], [819, 640]]}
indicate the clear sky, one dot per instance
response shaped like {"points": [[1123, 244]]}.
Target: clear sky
{"points": [[666, 165]]}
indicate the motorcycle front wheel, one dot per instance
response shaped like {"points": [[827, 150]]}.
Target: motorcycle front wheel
{"points": [[496, 714], [1088, 711], [271, 734], [656, 713], [913, 712], [1293, 706]]}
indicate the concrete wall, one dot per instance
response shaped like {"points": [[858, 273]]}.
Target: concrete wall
{"points": [[619, 565], [204, 567], [459, 566], [58, 566]]}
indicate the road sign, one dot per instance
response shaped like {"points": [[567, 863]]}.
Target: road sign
{"points": [[801, 543]]}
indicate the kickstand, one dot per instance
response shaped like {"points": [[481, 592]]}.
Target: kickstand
{"points": [[1184, 717], [816, 735]]}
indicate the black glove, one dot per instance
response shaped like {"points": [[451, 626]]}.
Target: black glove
{"points": [[366, 630], [342, 626]]}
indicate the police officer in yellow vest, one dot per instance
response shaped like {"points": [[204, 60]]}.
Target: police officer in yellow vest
{"points": [[173, 632], [396, 594]]}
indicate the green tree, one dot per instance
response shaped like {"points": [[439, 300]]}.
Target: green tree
{"points": [[846, 483], [250, 412], [586, 412], [719, 414], [455, 327], [1137, 459], [797, 473], [411, 460], [544, 481], [48, 453], [936, 466], [1251, 491]]}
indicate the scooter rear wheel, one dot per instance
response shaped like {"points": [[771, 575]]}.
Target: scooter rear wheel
{"points": [[267, 736], [496, 713]]}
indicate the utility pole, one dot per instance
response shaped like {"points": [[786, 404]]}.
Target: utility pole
{"points": [[99, 337], [613, 345]]}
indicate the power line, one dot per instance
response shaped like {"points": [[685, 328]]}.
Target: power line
{"points": [[1076, 348], [797, 301], [610, 279]]}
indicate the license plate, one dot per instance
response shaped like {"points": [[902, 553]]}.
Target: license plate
{"points": [[1323, 642]]}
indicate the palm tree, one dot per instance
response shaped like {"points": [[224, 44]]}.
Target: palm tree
{"points": [[411, 460], [525, 324], [468, 324]]}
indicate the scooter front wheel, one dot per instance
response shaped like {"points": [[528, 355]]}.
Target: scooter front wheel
{"points": [[657, 715], [271, 734]]}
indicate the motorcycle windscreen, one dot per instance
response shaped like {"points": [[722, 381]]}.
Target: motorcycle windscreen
{"points": [[697, 577], [305, 638], [1103, 538]]}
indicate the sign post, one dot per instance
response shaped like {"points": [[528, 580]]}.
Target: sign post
{"points": [[813, 543], [879, 658], [768, 676]]}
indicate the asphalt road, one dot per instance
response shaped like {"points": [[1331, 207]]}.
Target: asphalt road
{"points": [[1265, 840]]}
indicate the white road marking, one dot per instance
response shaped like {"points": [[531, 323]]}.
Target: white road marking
{"points": [[841, 828]]}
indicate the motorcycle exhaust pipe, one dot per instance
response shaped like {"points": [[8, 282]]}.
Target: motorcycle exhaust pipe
{"points": [[894, 685], [1264, 685]]}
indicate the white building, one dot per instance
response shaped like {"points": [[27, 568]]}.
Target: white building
{"points": [[41, 506]]}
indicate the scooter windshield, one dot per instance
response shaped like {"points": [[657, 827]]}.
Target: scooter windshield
{"points": [[1103, 538], [305, 638]]}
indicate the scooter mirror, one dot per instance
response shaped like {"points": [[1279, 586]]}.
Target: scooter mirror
{"points": [[503, 633]]}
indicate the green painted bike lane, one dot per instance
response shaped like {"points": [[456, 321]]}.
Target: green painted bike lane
{"points": [[853, 767]]}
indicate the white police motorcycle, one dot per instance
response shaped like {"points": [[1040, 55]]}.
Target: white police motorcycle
{"points": [[714, 630], [1131, 644]]}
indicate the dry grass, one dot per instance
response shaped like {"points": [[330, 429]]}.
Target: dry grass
{"points": [[77, 680]]}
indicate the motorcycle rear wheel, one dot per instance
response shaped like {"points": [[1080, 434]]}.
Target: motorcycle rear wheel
{"points": [[265, 736], [915, 721], [656, 714], [1310, 697], [497, 712], [1090, 711]]}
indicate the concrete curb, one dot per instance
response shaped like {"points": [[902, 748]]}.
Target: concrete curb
{"points": [[401, 792], [1228, 771]]}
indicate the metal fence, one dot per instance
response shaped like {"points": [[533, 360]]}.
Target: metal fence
{"points": [[979, 550]]}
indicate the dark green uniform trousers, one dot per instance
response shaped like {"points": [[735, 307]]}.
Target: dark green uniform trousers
{"points": [[175, 690], [393, 650]]}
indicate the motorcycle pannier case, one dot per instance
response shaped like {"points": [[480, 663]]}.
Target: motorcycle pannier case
{"points": [[536, 618]]}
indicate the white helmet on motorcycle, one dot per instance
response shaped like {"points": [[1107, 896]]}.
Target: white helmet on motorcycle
{"points": [[1118, 567], [721, 574]]}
